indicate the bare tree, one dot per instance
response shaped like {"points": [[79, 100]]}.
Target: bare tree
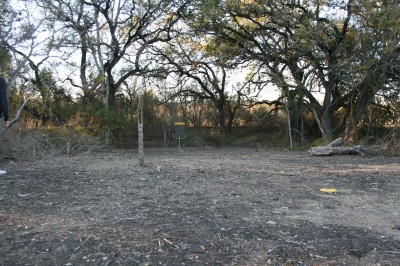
{"points": [[125, 30], [73, 23], [190, 58], [20, 38]]}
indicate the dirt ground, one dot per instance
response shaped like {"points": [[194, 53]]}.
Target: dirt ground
{"points": [[201, 206]]}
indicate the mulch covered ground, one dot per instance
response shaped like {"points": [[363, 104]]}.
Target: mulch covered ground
{"points": [[200, 206]]}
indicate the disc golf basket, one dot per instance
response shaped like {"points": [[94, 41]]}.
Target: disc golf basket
{"points": [[179, 132]]}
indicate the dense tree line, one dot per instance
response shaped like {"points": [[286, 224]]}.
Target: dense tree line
{"points": [[207, 62]]}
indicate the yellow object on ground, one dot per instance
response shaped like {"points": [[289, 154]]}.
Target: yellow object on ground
{"points": [[328, 190]]}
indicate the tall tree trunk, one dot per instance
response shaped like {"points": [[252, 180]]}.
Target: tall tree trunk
{"points": [[97, 55], [303, 141], [109, 97], [289, 125], [372, 83], [107, 94], [221, 116], [83, 67], [164, 135], [327, 125], [140, 129]]}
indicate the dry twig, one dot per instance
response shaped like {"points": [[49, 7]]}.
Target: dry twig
{"points": [[2, 130]]}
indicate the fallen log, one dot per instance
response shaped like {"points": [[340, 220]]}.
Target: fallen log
{"points": [[336, 143], [329, 150]]}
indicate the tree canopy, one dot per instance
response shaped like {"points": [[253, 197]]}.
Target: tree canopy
{"points": [[329, 58]]}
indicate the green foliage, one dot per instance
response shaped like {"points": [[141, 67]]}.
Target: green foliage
{"points": [[320, 142], [5, 61], [150, 101], [241, 138], [109, 120], [214, 141]]}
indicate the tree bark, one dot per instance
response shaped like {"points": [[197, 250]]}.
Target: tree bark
{"points": [[334, 149], [289, 125], [336, 143], [329, 151], [140, 129]]}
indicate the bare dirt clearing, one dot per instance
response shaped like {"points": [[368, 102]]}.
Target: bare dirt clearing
{"points": [[203, 206]]}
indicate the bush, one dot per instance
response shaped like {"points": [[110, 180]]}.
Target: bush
{"points": [[20, 143], [391, 142]]}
